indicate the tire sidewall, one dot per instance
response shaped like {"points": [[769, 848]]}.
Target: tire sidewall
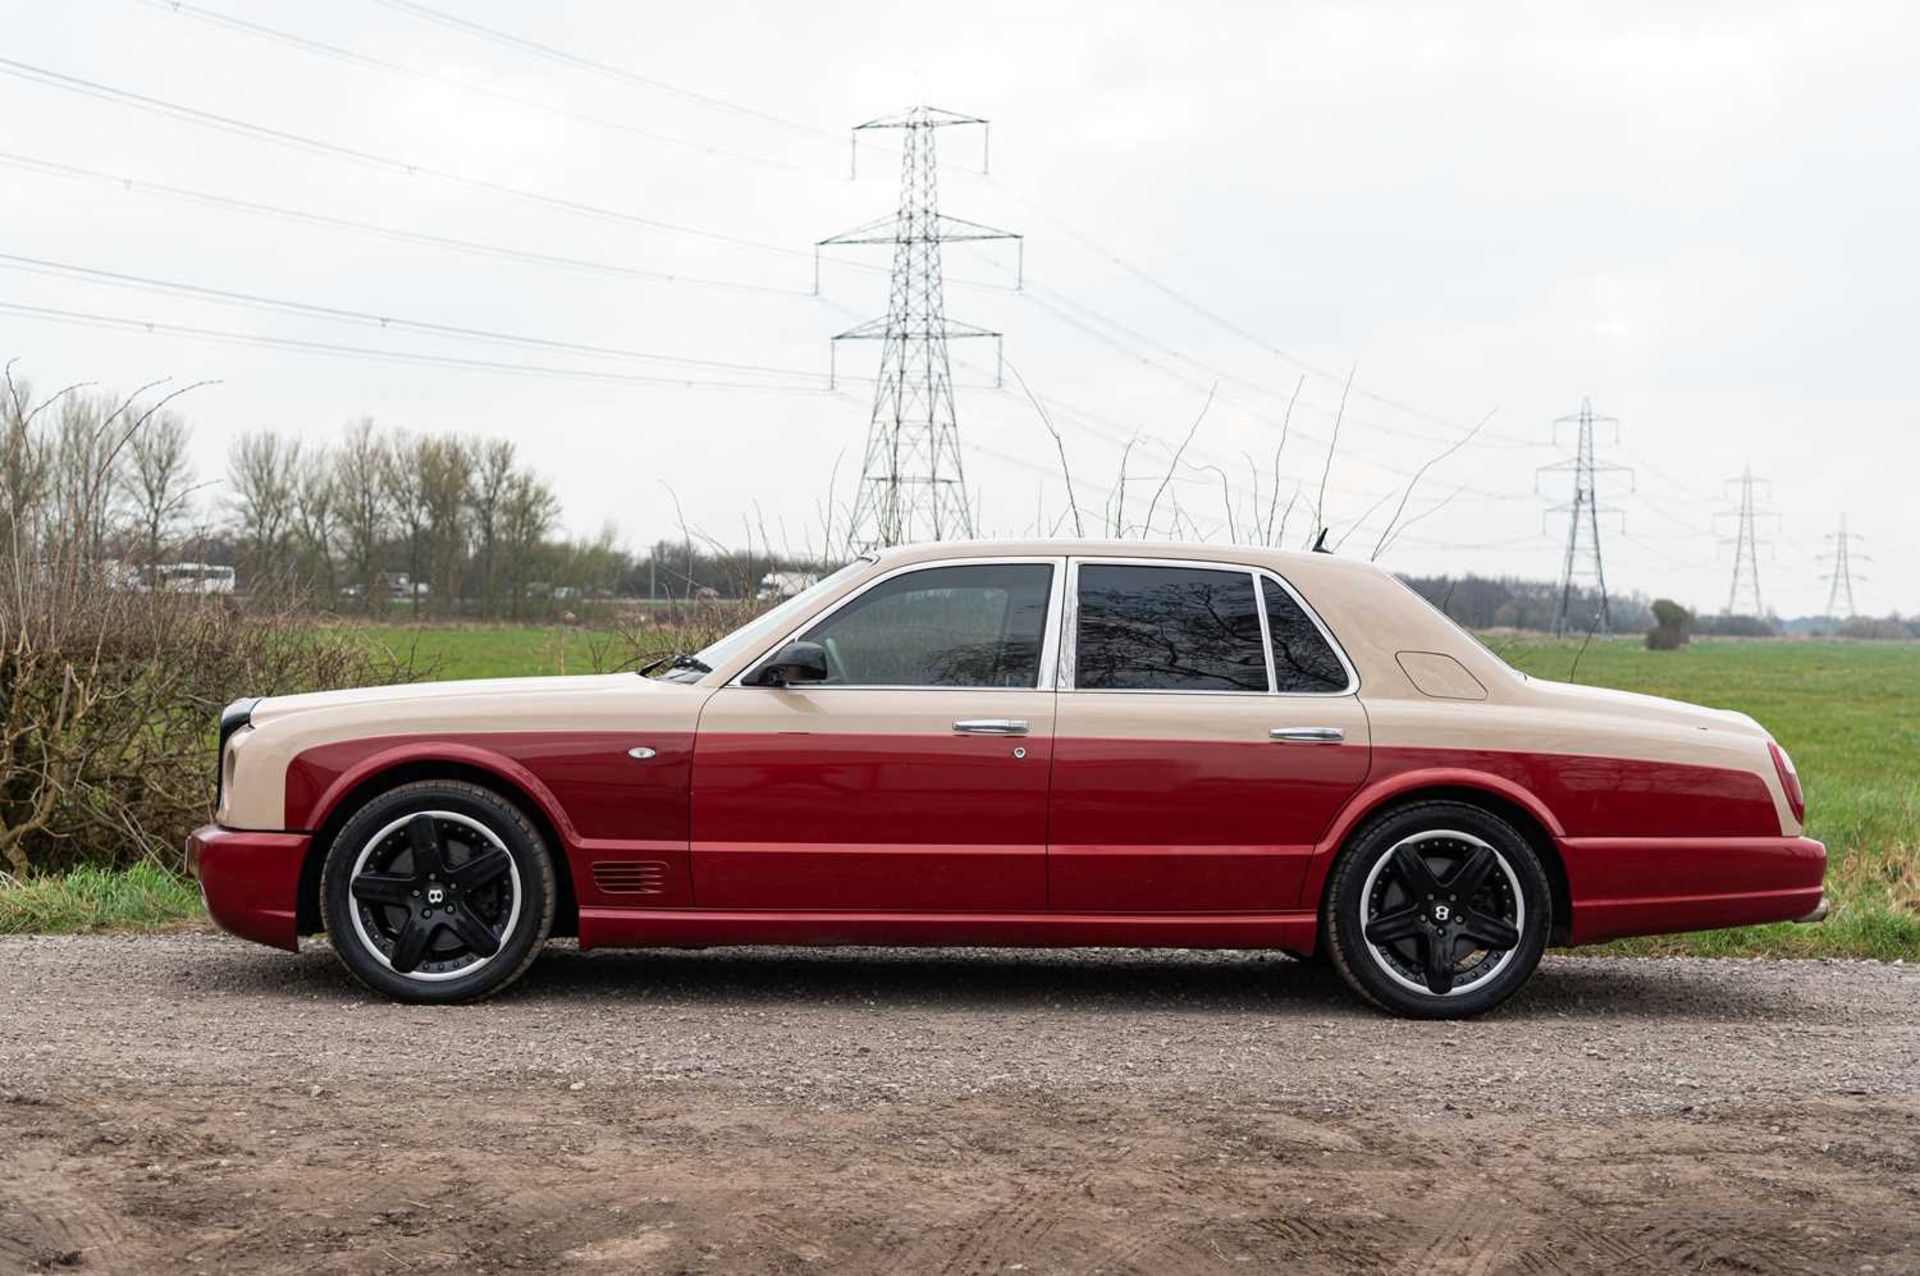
{"points": [[1343, 922], [522, 841]]}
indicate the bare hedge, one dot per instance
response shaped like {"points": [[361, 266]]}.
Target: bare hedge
{"points": [[109, 699]]}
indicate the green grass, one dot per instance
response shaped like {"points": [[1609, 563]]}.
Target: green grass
{"points": [[489, 651], [1849, 713], [144, 897]]}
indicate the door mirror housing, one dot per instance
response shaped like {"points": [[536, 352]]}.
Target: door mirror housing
{"points": [[797, 662]]}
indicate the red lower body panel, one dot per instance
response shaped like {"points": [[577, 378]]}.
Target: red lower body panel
{"points": [[655, 928], [250, 881], [1649, 886]]}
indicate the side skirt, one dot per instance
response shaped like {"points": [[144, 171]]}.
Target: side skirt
{"points": [[693, 927]]}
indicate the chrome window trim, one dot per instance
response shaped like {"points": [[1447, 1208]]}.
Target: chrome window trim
{"points": [[1070, 620], [1049, 640]]}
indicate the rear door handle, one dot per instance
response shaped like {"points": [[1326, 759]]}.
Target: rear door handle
{"points": [[1307, 735], [991, 726]]}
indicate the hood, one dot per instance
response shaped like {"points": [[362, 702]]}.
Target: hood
{"points": [[414, 696]]}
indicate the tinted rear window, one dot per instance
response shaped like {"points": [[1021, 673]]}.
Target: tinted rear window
{"points": [[1153, 628], [1302, 660]]}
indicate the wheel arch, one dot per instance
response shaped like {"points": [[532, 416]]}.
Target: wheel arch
{"points": [[1528, 815], [380, 775]]}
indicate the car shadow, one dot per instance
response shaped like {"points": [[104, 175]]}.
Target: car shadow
{"points": [[1008, 979]]}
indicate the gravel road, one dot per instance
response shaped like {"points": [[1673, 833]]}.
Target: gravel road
{"points": [[193, 1103]]}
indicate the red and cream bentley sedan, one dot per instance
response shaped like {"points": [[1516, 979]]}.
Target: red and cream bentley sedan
{"points": [[1046, 743]]}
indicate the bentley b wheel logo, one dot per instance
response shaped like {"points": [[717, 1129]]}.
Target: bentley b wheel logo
{"points": [[435, 895], [1441, 912]]}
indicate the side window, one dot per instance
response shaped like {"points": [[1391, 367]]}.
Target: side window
{"points": [[964, 626], [1152, 628], [1302, 660]]}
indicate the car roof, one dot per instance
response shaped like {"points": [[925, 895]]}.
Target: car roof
{"points": [[1283, 561]]}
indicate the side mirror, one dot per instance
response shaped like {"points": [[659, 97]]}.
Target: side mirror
{"points": [[794, 663]]}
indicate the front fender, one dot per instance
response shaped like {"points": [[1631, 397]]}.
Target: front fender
{"points": [[318, 783]]}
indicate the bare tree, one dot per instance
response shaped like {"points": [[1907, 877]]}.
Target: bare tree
{"points": [[409, 505], [316, 508], [260, 471], [492, 473], [362, 471], [446, 476], [529, 510], [158, 484]]}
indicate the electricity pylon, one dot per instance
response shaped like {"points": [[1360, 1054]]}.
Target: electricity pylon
{"points": [[912, 484], [1840, 576], [1746, 555], [1583, 559]]}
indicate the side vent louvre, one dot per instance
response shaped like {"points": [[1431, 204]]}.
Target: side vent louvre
{"points": [[630, 877]]}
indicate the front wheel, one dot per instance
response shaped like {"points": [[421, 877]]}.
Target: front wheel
{"points": [[437, 891], [1437, 911]]}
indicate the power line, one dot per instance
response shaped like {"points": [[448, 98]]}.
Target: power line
{"points": [[557, 54], [210, 119], [1221, 321], [261, 31], [41, 266], [328, 221], [1044, 297], [553, 52], [121, 323]]}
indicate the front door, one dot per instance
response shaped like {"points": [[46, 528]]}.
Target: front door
{"points": [[1208, 733], [913, 779]]}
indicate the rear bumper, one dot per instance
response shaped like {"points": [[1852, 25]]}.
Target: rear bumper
{"points": [[250, 882], [1654, 886], [1819, 913]]}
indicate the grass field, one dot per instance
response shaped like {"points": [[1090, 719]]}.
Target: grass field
{"points": [[491, 651], [1848, 712]]}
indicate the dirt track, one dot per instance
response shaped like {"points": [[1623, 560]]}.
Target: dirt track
{"points": [[193, 1103]]}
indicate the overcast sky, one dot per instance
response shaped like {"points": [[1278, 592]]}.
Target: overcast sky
{"points": [[1702, 217]]}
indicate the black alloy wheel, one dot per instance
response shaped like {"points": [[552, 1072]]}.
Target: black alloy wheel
{"points": [[438, 891], [1439, 910]]}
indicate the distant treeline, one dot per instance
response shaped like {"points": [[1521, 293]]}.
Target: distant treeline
{"points": [[1480, 602], [443, 524]]}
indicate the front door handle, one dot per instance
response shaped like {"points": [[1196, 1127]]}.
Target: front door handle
{"points": [[991, 726], [1307, 735]]}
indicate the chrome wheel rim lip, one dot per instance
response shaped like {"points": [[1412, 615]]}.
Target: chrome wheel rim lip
{"points": [[367, 940], [1481, 974]]}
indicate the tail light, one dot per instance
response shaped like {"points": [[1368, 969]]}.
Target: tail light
{"points": [[1789, 780]]}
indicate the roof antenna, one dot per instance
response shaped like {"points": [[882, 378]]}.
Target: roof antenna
{"points": [[1320, 542]]}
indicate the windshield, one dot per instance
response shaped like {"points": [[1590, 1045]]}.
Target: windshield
{"points": [[764, 626]]}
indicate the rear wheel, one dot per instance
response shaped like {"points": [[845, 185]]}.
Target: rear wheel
{"points": [[1437, 911], [437, 891]]}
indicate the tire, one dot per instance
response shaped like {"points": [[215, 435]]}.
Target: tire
{"points": [[424, 878], [1398, 931]]}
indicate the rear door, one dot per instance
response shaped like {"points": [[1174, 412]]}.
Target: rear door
{"points": [[1208, 731], [916, 777]]}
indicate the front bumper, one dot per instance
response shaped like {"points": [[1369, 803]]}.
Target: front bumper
{"points": [[250, 882]]}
